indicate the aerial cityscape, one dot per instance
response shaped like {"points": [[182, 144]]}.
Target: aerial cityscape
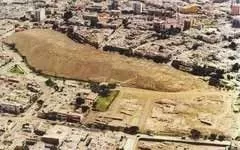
{"points": [[119, 74]]}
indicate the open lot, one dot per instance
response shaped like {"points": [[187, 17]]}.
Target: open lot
{"points": [[59, 56], [170, 113], [143, 145]]}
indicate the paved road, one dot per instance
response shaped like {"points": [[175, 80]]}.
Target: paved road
{"points": [[179, 140]]}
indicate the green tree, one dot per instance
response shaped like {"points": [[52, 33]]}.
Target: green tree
{"points": [[212, 136], [67, 15], [94, 86], [112, 85], [80, 100], [49, 82], [104, 90], [195, 134]]}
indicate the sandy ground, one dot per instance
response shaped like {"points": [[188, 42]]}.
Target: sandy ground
{"points": [[53, 53], [174, 146], [173, 113]]}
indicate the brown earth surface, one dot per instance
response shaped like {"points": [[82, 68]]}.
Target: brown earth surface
{"points": [[146, 145], [55, 54], [171, 113]]}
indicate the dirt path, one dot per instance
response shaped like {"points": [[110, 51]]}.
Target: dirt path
{"points": [[145, 113]]}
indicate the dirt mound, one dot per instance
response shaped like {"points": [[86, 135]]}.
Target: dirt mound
{"points": [[55, 54]]}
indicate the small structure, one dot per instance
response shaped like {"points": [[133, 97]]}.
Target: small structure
{"points": [[96, 7], [92, 17], [56, 135], [113, 5], [187, 25], [15, 97], [62, 115], [5, 58], [137, 7], [16, 69], [12, 107], [88, 96], [40, 15], [236, 22], [159, 26], [190, 9], [235, 7], [161, 12]]}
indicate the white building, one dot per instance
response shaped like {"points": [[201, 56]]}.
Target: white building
{"points": [[40, 14], [137, 7], [13, 107]]}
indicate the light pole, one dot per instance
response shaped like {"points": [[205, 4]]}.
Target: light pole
{"points": [[1, 40]]}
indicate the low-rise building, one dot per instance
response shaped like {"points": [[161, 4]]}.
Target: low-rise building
{"points": [[15, 96], [91, 17], [56, 135], [40, 14], [137, 7]]}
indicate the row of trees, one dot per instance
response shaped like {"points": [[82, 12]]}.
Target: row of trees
{"points": [[195, 134], [50, 83], [102, 89]]}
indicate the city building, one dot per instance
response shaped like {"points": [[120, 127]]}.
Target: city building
{"points": [[190, 9], [235, 7], [40, 15], [15, 96], [113, 5], [137, 7], [56, 135]]}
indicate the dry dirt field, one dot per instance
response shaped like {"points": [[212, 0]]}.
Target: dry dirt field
{"points": [[55, 54], [143, 145], [171, 113]]}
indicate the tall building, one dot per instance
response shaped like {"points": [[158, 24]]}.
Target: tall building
{"points": [[137, 7], [40, 14], [113, 4], [235, 7]]}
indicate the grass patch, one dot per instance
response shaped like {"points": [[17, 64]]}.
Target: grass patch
{"points": [[16, 69], [103, 103]]}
